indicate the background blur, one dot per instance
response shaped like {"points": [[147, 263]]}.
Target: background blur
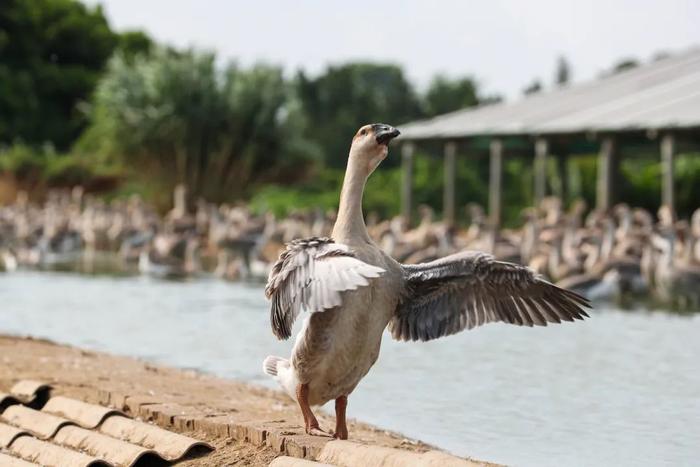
{"points": [[189, 140], [125, 97]]}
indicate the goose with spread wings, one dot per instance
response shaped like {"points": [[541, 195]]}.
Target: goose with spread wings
{"points": [[353, 291]]}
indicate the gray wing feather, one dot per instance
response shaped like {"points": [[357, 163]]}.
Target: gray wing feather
{"points": [[311, 274], [471, 288]]}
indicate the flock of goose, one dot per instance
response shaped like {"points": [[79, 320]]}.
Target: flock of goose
{"points": [[604, 256]]}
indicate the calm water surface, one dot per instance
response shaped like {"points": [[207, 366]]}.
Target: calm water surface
{"points": [[622, 388]]}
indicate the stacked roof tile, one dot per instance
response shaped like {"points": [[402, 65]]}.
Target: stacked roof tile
{"points": [[70, 433]]}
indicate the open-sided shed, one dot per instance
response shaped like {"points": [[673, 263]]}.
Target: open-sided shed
{"points": [[658, 104]]}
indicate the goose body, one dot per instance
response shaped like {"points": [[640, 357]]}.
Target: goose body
{"points": [[335, 349], [353, 291]]}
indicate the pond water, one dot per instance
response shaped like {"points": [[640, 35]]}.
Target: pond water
{"points": [[622, 388]]}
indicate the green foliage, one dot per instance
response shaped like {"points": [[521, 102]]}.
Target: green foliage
{"points": [[383, 191], [624, 65], [345, 97], [43, 167], [160, 116], [687, 175], [321, 191], [445, 95], [134, 43], [51, 55], [221, 132], [23, 162], [640, 181], [533, 88], [68, 171]]}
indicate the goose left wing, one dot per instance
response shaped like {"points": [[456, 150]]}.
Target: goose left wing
{"points": [[311, 273], [471, 288]]}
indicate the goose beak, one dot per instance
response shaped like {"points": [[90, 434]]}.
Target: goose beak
{"points": [[384, 133]]}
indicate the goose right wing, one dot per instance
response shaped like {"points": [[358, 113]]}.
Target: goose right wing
{"points": [[311, 274]]}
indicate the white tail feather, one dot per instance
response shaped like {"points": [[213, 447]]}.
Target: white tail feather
{"points": [[280, 369], [270, 364]]}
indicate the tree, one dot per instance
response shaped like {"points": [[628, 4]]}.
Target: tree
{"points": [[177, 118], [490, 99], [345, 97], [533, 88], [660, 55], [624, 65], [445, 95], [562, 74], [51, 55], [134, 43]]}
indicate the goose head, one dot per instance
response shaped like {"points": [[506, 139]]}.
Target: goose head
{"points": [[370, 145]]}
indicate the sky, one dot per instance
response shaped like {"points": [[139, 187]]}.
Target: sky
{"points": [[504, 44]]}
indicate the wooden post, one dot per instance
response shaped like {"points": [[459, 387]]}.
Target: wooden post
{"points": [[450, 169], [606, 173], [667, 185], [495, 179], [540, 169], [407, 187]]}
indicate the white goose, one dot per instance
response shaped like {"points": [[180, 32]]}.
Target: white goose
{"points": [[353, 290]]}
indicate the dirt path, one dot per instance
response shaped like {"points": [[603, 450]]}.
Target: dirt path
{"points": [[248, 425]]}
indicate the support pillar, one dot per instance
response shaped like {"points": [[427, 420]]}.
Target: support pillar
{"points": [[667, 185], [450, 173], [607, 167], [407, 151], [495, 180], [540, 170]]}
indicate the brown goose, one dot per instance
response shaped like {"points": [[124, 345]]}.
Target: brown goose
{"points": [[353, 291]]}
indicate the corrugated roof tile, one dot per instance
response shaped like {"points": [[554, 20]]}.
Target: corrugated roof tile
{"points": [[82, 413], [42, 425], [52, 437], [9, 433], [28, 389], [101, 446], [10, 461], [28, 392], [169, 445], [51, 455]]}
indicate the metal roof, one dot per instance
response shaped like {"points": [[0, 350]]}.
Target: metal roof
{"points": [[664, 94]]}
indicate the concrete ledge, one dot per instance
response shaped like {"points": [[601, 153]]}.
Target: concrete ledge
{"points": [[289, 441], [286, 461], [349, 454]]}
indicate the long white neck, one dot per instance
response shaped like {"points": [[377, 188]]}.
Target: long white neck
{"points": [[350, 225]]}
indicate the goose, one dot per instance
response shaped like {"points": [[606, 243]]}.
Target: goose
{"points": [[676, 283], [59, 244], [353, 291], [695, 233], [8, 260], [170, 255]]}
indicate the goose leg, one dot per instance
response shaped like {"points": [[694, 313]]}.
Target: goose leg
{"points": [[310, 423], [341, 428]]}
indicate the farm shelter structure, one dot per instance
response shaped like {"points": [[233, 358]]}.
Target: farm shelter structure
{"points": [[656, 105]]}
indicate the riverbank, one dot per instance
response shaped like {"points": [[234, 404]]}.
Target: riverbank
{"points": [[247, 425]]}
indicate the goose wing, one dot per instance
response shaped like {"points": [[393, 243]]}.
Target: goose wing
{"points": [[311, 273], [471, 288]]}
